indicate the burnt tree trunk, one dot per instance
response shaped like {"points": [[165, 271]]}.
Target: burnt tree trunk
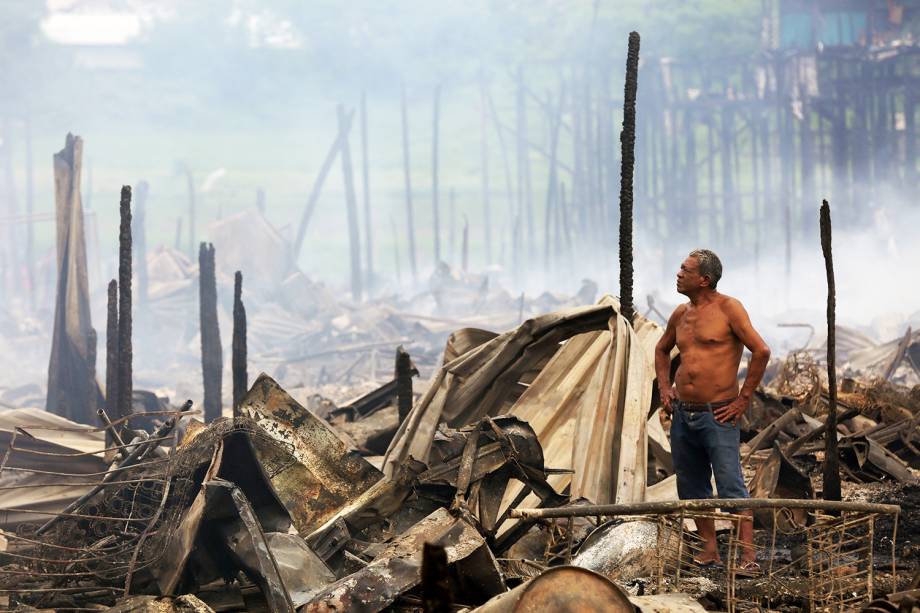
{"points": [[212, 358], [407, 175], [125, 349], [351, 208], [238, 360]]}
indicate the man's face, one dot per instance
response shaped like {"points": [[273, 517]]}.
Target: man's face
{"points": [[688, 277]]}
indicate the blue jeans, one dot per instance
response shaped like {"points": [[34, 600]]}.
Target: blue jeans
{"points": [[701, 447]]}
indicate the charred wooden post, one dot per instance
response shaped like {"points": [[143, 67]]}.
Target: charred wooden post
{"points": [[238, 361], [351, 207], [71, 374], [212, 358], [435, 205], [407, 175], [111, 350], [628, 147], [831, 459], [366, 189], [436, 592], [125, 349], [403, 377], [139, 234], [484, 164], [178, 242], [331, 156], [30, 230], [465, 258]]}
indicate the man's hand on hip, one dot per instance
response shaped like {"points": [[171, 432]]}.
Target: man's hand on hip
{"points": [[667, 394], [731, 413]]}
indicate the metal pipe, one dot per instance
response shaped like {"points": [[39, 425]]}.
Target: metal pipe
{"points": [[670, 506]]}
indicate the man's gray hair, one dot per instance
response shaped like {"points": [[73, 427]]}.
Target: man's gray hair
{"points": [[710, 265]]}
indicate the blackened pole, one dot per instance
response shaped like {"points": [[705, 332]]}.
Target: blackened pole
{"points": [[403, 383], [111, 350], [831, 460], [628, 151], [125, 351], [212, 358], [240, 377]]}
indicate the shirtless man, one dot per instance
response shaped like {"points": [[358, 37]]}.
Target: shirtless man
{"points": [[711, 331]]}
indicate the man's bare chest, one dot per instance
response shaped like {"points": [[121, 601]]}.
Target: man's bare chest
{"points": [[707, 327]]}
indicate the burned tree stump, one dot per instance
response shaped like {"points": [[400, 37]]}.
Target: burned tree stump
{"points": [[628, 152], [125, 350], [240, 376], [212, 358], [831, 471]]}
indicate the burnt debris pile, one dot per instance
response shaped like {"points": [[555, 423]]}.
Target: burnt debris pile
{"points": [[491, 486]]}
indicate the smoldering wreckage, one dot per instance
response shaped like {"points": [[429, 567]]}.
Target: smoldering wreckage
{"points": [[530, 472]]}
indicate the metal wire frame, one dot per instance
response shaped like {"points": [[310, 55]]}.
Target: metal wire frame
{"points": [[832, 570], [123, 529]]}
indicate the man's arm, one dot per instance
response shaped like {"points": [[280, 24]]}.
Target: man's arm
{"points": [[663, 358], [760, 354]]}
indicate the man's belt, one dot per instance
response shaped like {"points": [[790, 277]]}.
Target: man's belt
{"points": [[699, 407]]}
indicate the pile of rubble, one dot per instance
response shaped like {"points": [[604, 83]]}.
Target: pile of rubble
{"points": [[395, 503]]}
